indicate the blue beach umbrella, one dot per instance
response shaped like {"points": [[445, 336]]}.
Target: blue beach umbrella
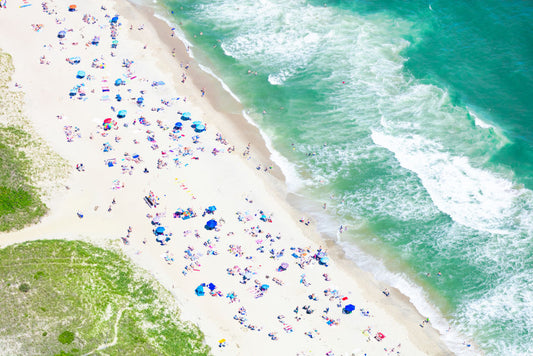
{"points": [[348, 308], [196, 123], [211, 224], [160, 230], [80, 74], [212, 208], [118, 82], [61, 34], [140, 100], [114, 19], [200, 290], [199, 128], [121, 114], [186, 116], [178, 125]]}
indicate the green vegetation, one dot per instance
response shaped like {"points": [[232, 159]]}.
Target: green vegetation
{"points": [[82, 299], [22, 179], [19, 201]]}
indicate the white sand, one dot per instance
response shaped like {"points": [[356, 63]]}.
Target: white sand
{"points": [[228, 180]]}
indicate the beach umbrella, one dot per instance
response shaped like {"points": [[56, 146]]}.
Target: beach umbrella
{"points": [[118, 97], [199, 128], [140, 100], [108, 120], [118, 82], [186, 116], [349, 308], [72, 8], [80, 74], [160, 230], [61, 34], [212, 208], [211, 286], [324, 261], [283, 266], [196, 123], [121, 114], [114, 19], [199, 290], [178, 125], [264, 287], [211, 224]]}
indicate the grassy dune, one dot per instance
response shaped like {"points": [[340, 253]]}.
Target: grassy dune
{"points": [[72, 298], [22, 180]]}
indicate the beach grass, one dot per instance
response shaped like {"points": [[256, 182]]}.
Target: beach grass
{"points": [[72, 298], [27, 166]]}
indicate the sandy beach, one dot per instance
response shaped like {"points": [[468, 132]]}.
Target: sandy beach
{"points": [[163, 161]]}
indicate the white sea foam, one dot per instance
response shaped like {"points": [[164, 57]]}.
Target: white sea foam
{"points": [[478, 121], [470, 196], [509, 300]]}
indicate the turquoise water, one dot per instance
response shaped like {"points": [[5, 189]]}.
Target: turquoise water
{"points": [[410, 119]]}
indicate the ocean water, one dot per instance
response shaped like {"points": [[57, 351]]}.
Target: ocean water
{"points": [[411, 121]]}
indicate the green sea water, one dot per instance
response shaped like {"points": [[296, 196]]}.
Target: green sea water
{"points": [[411, 121]]}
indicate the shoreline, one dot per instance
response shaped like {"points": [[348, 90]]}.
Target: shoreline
{"points": [[225, 101], [232, 129]]}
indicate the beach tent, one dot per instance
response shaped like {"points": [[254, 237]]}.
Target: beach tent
{"points": [[80, 74], [114, 19], [121, 114], [211, 224], [72, 8], [200, 290], [61, 34], [160, 230], [283, 267], [186, 116], [118, 82], [348, 308], [199, 128]]}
